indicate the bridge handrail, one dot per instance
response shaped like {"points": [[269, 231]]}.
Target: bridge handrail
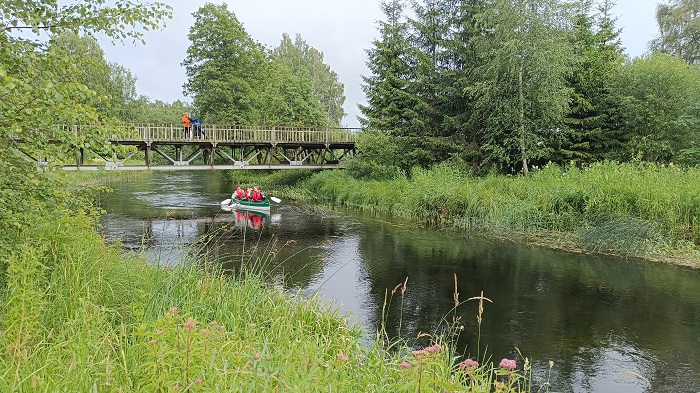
{"points": [[230, 133]]}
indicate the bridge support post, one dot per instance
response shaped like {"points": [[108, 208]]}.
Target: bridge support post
{"points": [[207, 157], [79, 157], [149, 155]]}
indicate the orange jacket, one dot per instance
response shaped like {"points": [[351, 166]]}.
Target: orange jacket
{"points": [[186, 121]]}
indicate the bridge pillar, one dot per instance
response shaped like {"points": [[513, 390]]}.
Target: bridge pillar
{"points": [[79, 157], [207, 157], [149, 155]]}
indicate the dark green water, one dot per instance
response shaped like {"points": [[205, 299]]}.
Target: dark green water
{"points": [[609, 325]]}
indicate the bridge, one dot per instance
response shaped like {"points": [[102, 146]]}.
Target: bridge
{"points": [[221, 147]]}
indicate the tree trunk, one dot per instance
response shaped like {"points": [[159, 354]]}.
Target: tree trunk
{"points": [[521, 101]]}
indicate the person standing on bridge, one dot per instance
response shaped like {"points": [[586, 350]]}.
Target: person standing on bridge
{"points": [[187, 122]]}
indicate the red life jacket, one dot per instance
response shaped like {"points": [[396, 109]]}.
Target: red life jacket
{"points": [[240, 193], [256, 197]]}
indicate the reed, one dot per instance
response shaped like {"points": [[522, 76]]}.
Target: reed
{"points": [[651, 210]]}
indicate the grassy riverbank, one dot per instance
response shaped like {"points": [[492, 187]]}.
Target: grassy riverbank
{"points": [[648, 211], [79, 316]]}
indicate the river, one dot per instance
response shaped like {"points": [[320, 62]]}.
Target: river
{"points": [[609, 325]]}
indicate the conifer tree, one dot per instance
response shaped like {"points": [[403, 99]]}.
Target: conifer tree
{"points": [[598, 57], [392, 105]]}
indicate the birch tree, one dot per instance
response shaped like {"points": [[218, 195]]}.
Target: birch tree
{"points": [[522, 94]]}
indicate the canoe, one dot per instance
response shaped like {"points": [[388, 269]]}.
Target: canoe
{"points": [[231, 204]]}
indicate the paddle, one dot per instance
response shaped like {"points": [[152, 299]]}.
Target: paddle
{"points": [[226, 202], [275, 199]]}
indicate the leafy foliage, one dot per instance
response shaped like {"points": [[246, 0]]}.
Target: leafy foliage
{"points": [[522, 94], [679, 28], [226, 69], [233, 78], [40, 88], [660, 97], [306, 63]]}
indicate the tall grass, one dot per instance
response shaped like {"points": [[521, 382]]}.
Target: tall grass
{"points": [[78, 316], [627, 209]]}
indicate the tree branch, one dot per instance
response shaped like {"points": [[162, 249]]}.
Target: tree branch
{"points": [[9, 28]]}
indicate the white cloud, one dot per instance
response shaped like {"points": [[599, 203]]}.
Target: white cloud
{"points": [[342, 30]]}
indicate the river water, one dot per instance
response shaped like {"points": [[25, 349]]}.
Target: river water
{"points": [[609, 325]]}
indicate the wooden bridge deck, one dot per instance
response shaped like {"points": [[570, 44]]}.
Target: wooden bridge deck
{"points": [[214, 133], [230, 147]]}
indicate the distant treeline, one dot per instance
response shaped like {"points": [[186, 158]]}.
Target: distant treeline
{"points": [[504, 85], [231, 78]]}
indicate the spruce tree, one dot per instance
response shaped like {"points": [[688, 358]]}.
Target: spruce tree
{"points": [[597, 59], [392, 105]]}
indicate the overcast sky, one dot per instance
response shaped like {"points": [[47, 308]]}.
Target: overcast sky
{"points": [[342, 30]]}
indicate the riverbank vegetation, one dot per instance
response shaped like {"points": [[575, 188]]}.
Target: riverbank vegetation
{"points": [[505, 86], [634, 210], [80, 316]]}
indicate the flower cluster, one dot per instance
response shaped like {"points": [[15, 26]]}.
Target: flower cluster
{"points": [[507, 363], [468, 364], [427, 350]]}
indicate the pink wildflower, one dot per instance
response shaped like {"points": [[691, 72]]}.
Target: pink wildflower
{"points": [[176, 388], [432, 349], [507, 363], [159, 332], [468, 363], [419, 352], [213, 323], [173, 310], [189, 325], [342, 356], [405, 365], [153, 341], [197, 381]]}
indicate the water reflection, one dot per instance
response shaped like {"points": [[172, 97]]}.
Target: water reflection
{"points": [[250, 219], [602, 320]]}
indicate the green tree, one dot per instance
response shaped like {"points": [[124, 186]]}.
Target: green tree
{"points": [[431, 31], [522, 94], [289, 99], [459, 76], [142, 110], [36, 95], [392, 105], [660, 100], [679, 29], [226, 69], [305, 62], [598, 57]]}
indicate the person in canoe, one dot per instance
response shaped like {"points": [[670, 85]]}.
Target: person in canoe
{"points": [[239, 193], [257, 195]]}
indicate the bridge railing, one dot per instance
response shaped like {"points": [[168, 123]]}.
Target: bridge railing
{"points": [[238, 133]]}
